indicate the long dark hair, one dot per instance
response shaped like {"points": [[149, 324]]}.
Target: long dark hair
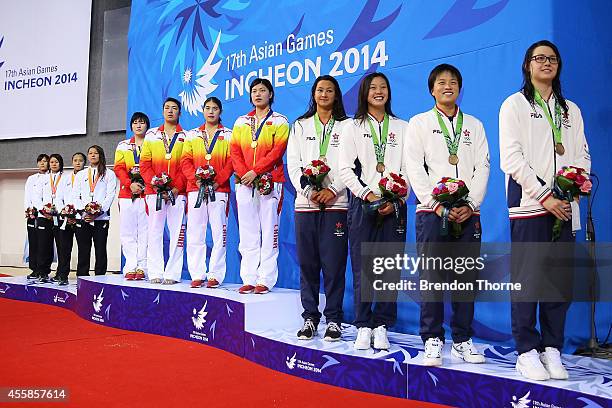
{"points": [[102, 162], [217, 102], [338, 112], [59, 158], [528, 89], [364, 90]]}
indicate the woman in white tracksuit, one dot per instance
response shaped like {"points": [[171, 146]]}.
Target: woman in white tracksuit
{"points": [[320, 234], [371, 147]]}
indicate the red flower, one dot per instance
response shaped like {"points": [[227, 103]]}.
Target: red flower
{"points": [[571, 176]]}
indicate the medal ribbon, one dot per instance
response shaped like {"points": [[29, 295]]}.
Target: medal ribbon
{"points": [[136, 152], [54, 183], [210, 147], [379, 146], [556, 129], [323, 138], [92, 183], [165, 139], [255, 134], [451, 144]]}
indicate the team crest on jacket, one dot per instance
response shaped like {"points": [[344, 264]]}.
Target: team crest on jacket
{"points": [[467, 141], [392, 139], [335, 140], [339, 229]]}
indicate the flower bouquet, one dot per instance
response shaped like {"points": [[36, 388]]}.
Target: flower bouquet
{"points": [[31, 213], [570, 182], [263, 183], [206, 175], [136, 177], [50, 212], [314, 174], [393, 189], [93, 209], [161, 185], [68, 213], [451, 193]]}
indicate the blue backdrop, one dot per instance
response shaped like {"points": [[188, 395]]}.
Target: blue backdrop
{"points": [[192, 49]]}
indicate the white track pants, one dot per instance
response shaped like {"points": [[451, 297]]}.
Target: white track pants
{"points": [[133, 233], [258, 221], [198, 218], [173, 215]]}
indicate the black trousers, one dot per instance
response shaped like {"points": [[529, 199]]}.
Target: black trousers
{"points": [[322, 245], [431, 244], [85, 234], [364, 227], [524, 313], [32, 245], [47, 234]]}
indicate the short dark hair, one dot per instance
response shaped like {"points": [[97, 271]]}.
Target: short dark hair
{"points": [[59, 158], [265, 83], [81, 154], [42, 156], [143, 116], [433, 75], [173, 100]]}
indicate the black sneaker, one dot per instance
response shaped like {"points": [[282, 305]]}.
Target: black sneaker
{"points": [[32, 276], [54, 279], [63, 282], [333, 332], [44, 279], [308, 331]]}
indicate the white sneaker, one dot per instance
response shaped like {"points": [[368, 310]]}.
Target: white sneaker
{"points": [[551, 360], [364, 338], [529, 366], [467, 352], [433, 352], [381, 342]]}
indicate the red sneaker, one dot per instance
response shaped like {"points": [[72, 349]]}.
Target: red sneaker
{"points": [[196, 283], [130, 276], [244, 289], [212, 283], [139, 274], [261, 289]]}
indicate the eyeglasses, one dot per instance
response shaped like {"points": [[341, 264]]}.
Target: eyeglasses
{"points": [[541, 59]]}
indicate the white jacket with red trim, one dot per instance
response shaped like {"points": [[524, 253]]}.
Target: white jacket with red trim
{"points": [[527, 152]]}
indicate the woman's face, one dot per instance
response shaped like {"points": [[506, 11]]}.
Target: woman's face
{"points": [[78, 162], [543, 71], [260, 96], [54, 164], [325, 94], [139, 127], [93, 156], [212, 112], [378, 93]]}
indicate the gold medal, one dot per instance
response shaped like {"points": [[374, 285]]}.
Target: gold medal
{"points": [[254, 144], [380, 167], [453, 159], [560, 149], [208, 156], [168, 156]]}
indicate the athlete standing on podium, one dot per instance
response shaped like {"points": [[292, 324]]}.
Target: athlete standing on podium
{"points": [[320, 234], [259, 141], [132, 206], [161, 153], [208, 145], [42, 162]]}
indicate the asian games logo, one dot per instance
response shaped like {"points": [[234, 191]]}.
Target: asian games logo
{"points": [[198, 318], [97, 306], [523, 402], [97, 301], [293, 362], [197, 87]]}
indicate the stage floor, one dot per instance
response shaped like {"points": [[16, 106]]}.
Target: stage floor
{"points": [[262, 328]]}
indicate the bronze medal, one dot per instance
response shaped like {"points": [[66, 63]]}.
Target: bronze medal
{"points": [[560, 149], [168, 156], [208, 156], [254, 144], [380, 167], [453, 159]]}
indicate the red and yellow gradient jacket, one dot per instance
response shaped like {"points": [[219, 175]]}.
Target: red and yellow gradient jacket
{"points": [[194, 152], [153, 161], [124, 162], [271, 146]]}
